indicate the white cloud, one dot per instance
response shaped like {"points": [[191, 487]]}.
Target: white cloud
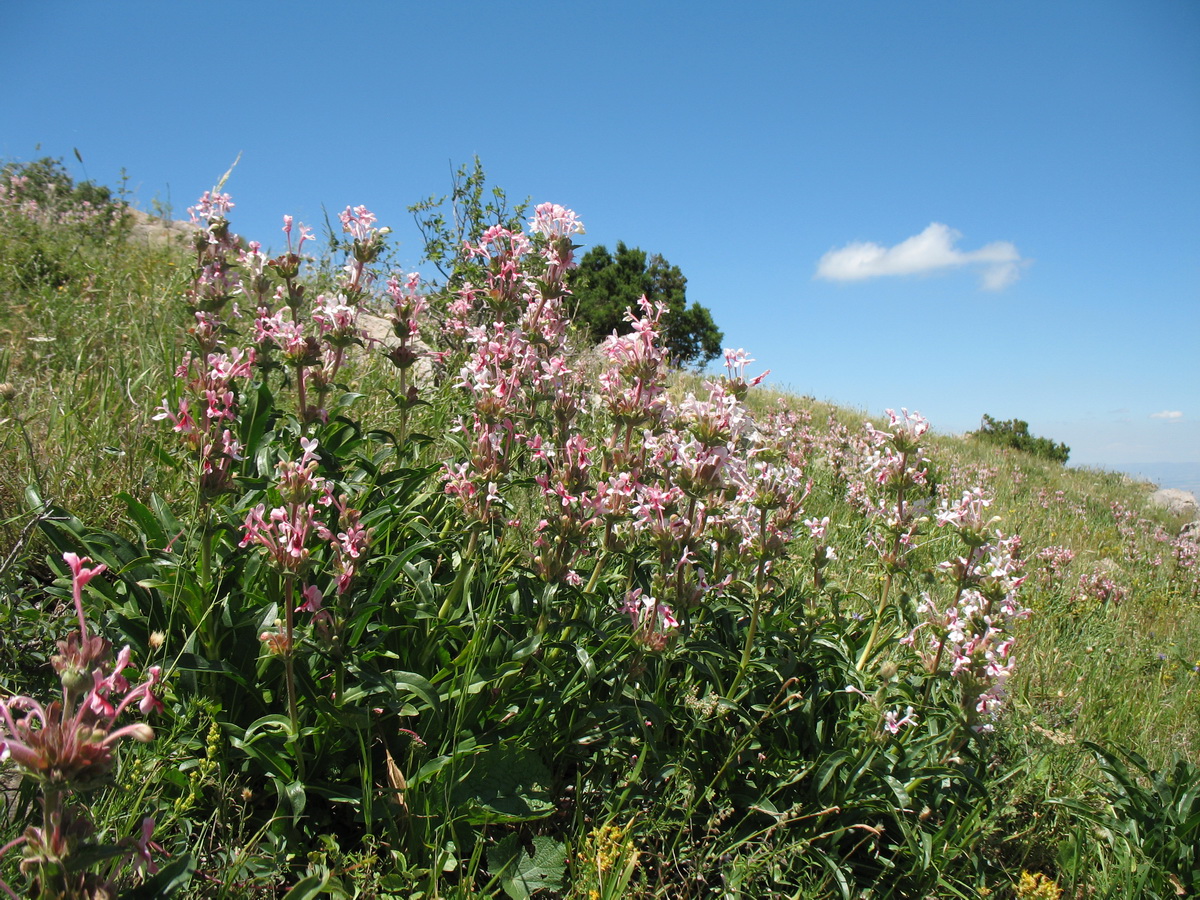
{"points": [[930, 251], [1172, 414]]}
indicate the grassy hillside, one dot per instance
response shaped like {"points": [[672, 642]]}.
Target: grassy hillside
{"points": [[479, 613]]}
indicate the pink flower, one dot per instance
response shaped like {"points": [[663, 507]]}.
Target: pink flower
{"points": [[654, 625], [893, 723], [142, 860], [211, 205], [80, 577], [312, 600], [554, 221], [358, 222]]}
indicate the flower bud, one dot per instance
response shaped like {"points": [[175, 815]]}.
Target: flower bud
{"points": [[75, 680]]}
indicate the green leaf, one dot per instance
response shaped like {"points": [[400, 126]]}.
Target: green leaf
{"points": [[170, 878], [145, 520], [296, 798], [829, 768], [398, 683], [523, 874], [505, 785], [307, 888]]}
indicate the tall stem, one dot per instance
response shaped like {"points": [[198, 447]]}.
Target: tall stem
{"points": [[601, 558], [52, 882], [756, 610], [207, 623], [289, 663], [883, 601], [403, 406], [892, 563], [301, 393]]}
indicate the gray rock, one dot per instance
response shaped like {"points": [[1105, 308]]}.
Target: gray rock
{"points": [[379, 333], [1176, 502], [148, 229]]}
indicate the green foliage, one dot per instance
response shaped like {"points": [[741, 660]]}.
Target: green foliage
{"points": [[447, 222], [605, 285], [1014, 433], [1151, 818], [43, 192]]}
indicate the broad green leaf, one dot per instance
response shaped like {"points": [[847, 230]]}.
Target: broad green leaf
{"points": [[523, 873], [170, 878], [308, 888], [505, 785]]}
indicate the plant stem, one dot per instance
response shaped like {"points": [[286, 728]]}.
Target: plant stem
{"points": [[883, 601], [289, 664], [403, 407], [745, 660], [891, 564], [756, 610], [600, 560], [456, 589], [937, 659]]}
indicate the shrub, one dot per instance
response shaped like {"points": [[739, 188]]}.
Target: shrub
{"points": [[1014, 433]]}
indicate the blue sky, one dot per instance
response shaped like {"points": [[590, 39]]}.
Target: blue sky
{"points": [[955, 207]]}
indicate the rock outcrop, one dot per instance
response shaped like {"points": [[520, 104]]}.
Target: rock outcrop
{"points": [[1176, 502], [152, 230]]}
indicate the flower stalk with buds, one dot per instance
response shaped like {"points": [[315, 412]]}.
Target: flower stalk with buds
{"points": [[67, 747]]}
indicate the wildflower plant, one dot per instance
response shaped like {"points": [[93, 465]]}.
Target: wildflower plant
{"points": [[593, 591], [67, 747]]}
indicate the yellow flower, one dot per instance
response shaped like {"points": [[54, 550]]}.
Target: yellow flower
{"points": [[1037, 887]]}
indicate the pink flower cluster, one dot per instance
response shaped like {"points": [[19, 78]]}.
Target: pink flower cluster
{"points": [[284, 532], [1055, 562], [212, 207], [711, 492], [654, 625], [891, 482], [974, 631], [408, 306], [524, 394], [67, 746], [216, 280], [211, 440], [1098, 586], [314, 346]]}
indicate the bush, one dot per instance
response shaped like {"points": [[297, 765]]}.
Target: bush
{"points": [[1014, 433]]}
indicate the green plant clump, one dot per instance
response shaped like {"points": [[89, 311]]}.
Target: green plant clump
{"points": [[1014, 433]]}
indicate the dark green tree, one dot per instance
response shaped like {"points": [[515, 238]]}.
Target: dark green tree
{"points": [[605, 285], [1015, 433]]}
